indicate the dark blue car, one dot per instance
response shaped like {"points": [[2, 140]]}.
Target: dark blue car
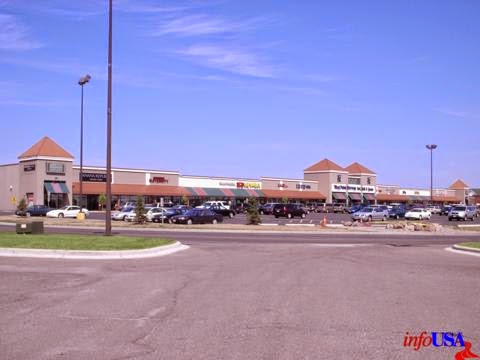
{"points": [[397, 212]]}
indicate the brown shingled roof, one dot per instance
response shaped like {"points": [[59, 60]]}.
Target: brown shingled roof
{"points": [[46, 147], [459, 185], [325, 165], [356, 168]]}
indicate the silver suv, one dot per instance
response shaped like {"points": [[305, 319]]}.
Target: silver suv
{"points": [[462, 212], [371, 213]]}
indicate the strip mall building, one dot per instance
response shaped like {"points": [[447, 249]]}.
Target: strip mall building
{"points": [[45, 174]]}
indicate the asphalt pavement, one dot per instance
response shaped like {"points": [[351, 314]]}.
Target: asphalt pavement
{"points": [[241, 300]]}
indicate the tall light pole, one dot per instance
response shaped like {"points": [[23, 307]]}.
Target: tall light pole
{"points": [[108, 214], [83, 80], [431, 147]]}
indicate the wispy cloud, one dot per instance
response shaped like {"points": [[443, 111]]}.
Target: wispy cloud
{"points": [[236, 61], [14, 35], [201, 24], [453, 112]]}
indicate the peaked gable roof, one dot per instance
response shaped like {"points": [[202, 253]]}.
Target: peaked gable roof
{"points": [[458, 185], [356, 168], [46, 147], [325, 165]]}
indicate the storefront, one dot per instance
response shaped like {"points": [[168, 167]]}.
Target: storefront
{"points": [[45, 174]]}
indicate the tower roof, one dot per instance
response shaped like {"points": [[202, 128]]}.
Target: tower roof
{"points": [[458, 185], [325, 165], [46, 147], [356, 168]]}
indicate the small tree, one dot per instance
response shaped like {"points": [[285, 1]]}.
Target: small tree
{"points": [[22, 205], [102, 200], [185, 200], [285, 200], [139, 210], [253, 216]]}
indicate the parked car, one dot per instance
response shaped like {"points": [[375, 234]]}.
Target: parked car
{"points": [[369, 213], [418, 214], [289, 210], [34, 210], [122, 214], [397, 212], [208, 204], [66, 211], [222, 210], [445, 209], [353, 209], [153, 211], [266, 209], [168, 214], [197, 216], [338, 208], [462, 212], [434, 209]]}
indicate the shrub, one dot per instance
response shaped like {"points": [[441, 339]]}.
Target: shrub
{"points": [[140, 217], [253, 216], [22, 205]]}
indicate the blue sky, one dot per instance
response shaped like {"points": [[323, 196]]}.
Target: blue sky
{"points": [[249, 88]]}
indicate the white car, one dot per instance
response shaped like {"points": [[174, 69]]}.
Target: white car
{"points": [[418, 214], [156, 210], [123, 213], [66, 211], [209, 204]]}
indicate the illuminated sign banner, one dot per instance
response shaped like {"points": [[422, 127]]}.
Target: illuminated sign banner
{"points": [[248, 185]]}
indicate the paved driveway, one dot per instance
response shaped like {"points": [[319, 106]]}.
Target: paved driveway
{"points": [[240, 301]]}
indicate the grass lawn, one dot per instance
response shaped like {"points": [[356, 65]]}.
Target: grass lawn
{"points": [[79, 242], [475, 245]]}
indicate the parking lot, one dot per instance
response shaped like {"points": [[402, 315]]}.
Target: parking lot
{"points": [[311, 218]]}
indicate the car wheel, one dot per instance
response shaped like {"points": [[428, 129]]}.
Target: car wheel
{"points": [[261, 213], [369, 218], [289, 215], [170, 221], [28, 214], [60, 215], [276, 216], [303, 216], [189, 222], [124, 218], [420, 217], [384, 218], [214, 221], [231, 215], [397, 217], [449, 219]]}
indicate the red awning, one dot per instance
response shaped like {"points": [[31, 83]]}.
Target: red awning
{"points": [[292, 194], [339, 196], [130, 189]]}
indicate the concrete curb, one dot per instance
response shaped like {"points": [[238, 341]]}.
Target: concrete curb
{"points": [[329, 229], [94, 255], [465, 248]]}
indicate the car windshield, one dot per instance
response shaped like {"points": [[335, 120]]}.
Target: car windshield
{"points": [[459, 208], [64, 208]]}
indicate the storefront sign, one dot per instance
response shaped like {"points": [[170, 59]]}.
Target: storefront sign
{"points": [[282, 186], [303, 187], [55, 168], [353, 188], [248, 185], [29, 167], [94, 177], [226, 184], [158, 180]]}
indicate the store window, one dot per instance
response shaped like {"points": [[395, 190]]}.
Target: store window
{"points": [[339, 178], [369, 181], [354, 181]]}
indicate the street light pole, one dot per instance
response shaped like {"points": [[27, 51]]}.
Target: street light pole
{"points": [[83, 80], [108, 216], [431, 147]]}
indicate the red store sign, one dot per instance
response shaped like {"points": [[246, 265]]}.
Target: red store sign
{"points": [[158, 180]]}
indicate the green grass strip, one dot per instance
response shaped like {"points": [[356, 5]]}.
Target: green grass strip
{"points": [[79, 242], [474, 245]]}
